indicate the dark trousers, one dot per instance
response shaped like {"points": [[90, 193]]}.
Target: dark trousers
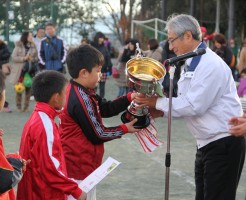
{"points": [[218, 167], [102, 88]]}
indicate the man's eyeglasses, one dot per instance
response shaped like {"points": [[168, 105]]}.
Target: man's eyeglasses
{"points": [[172, 41]]}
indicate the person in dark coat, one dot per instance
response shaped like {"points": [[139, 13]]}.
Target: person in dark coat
{"points": [[98, 43]]}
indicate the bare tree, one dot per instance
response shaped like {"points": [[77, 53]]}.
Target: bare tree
{"points": [[119, 22]]}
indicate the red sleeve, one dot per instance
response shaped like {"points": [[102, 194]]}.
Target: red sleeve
{"points": [[4, 164], [124, 128]]}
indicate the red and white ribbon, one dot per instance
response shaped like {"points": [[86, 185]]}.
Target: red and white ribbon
{"points": [[147, 137]]}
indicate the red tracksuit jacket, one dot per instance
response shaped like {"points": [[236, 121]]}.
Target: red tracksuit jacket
{"points": [[45, 177], [82, 129]]}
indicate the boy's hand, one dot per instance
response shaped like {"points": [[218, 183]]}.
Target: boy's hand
{"points": [[83, 196], [25, 163], [130, 127]]}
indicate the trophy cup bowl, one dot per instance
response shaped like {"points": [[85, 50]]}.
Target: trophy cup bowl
{"points": [[143, 75]]}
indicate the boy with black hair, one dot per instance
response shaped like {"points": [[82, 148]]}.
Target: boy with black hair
{"points": [[46, 176], [82, 129]]}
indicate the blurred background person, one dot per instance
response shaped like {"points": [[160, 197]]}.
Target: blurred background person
{"points": [[37, 40], [155, 51], [98, 43], [52, 52], [38, 37], [4, 60], [107, 44], [221, 48], [24, 52], [166, 54], [205, 36], [234, 49], [128, 53], [242, 57], [84, 41], [12, 165], [242, 84]]}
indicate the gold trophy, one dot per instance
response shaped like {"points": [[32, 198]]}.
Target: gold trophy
{"points": [[143, 74]]}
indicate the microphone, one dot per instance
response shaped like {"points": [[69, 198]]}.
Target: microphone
{"points": [[198, 52]]}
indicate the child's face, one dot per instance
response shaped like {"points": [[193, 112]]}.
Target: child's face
{"points": [[93, 77], [2, 100]]}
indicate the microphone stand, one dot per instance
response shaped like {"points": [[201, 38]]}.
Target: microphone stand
{"points": [[168, 154]]}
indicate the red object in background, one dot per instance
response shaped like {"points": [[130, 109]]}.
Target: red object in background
{"points": [[115, 73]]}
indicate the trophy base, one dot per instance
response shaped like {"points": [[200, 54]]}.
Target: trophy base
{"points": [[143, 121]]}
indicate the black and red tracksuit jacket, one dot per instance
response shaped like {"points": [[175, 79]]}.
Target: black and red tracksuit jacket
{"points": [[82, 130]]}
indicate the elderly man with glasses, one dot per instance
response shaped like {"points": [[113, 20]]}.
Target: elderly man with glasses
{"points": [[207, 99]]}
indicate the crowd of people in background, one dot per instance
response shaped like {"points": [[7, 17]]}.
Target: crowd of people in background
{"points": [[51, 54], [46, 50]]}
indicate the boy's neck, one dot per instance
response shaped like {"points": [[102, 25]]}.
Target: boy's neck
{"points": [[81, 82]]}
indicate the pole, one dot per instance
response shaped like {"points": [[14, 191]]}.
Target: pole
{"points": [[52, 10], [156, 36], [7, 22], [163, 15], [231, 12], [168, 153], [29, 14], [217, 25], [163, 9], [192, 7], [132, 28]]}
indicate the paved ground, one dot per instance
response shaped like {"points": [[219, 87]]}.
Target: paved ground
{"points": [[141, 175]]}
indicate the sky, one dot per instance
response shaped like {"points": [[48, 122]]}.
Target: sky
{"points": [[99, 26]]}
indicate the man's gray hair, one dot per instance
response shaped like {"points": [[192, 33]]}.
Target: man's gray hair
{"points": [[182, 23]]}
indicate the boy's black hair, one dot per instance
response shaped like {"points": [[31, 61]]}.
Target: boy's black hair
{"points": [[243, 71], [47, 83], [50, 24], [2, 83], [40, 28], [83, 57]]}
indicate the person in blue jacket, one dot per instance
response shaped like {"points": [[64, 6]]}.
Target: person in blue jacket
{"points": [[52, 53]]}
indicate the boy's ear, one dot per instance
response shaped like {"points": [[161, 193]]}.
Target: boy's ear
{"points": [[83, 73]]}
